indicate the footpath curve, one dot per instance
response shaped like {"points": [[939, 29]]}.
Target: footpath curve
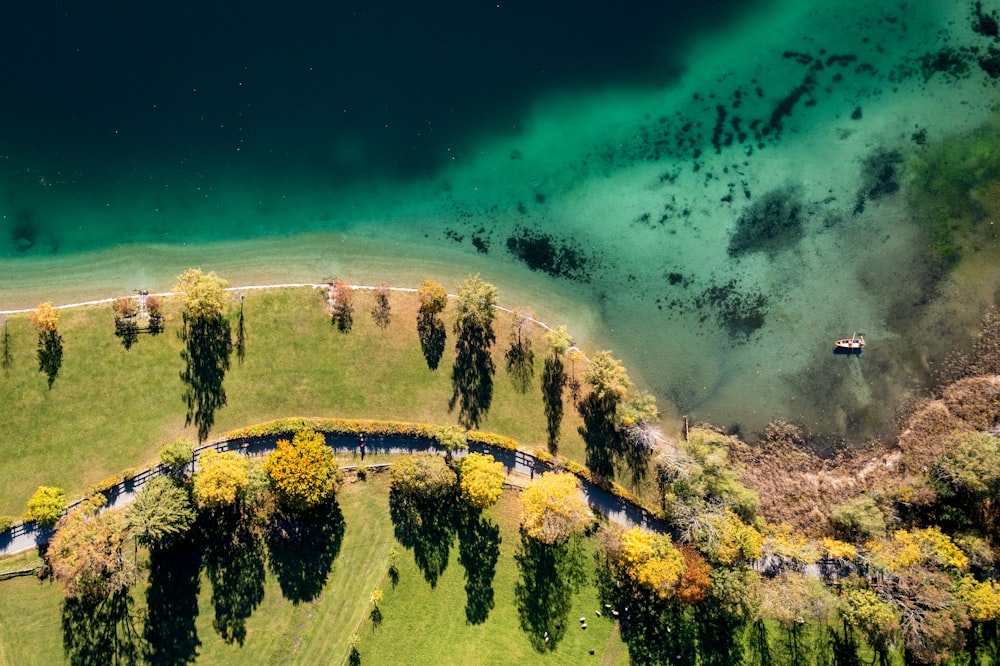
{"points": [[25, 536]]}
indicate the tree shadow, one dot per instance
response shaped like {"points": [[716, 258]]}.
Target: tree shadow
{"points": [[241, 335], [432, 337], [472, 375], [427, 529], [478, 551], [172, 604], [549, 577], [600, 434], [50, 353], [101, 631], [302, 547], [208, 346], [553, 382], [127, 331], [657, 631], [520, 364], [234, 562], [637, 449]]}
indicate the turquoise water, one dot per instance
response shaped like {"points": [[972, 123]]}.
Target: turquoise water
{"points": [[715, 196]]}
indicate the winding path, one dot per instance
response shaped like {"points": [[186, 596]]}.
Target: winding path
{"points": [[25, 536]]}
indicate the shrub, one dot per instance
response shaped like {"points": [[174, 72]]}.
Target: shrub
{"points": [[481, 480], [6, 522], [422, 478], [125, 306], [153, 304], [177, 455], [46, 505], [859, 519]]}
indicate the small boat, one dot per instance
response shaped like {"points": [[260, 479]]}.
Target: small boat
{"points": [[854, 342]]}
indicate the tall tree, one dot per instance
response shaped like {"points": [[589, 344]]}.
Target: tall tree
{"points": [[433, 300], [472, 375], [381, 311], [342, 305], [520, 356], [480, 480], [552, 508], [161, 514], [45, 319], [6, 358], [616, 419], [207, 346], [222, 480], [303, 472], [553, 382], [87, 554]]}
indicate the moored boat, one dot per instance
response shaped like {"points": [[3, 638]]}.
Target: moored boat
{"points": [[854, 342]]}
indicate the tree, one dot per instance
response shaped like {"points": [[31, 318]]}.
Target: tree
{"points": [[652, 561], [342, 306], [451, 439], [616, 419], [161, 514], [553, 381], [46, 506], [520, 356], [303, 472], [241, 334], [480, 480], [208, 346], [222, 480], [877, 620], [552, 509], [126, 327], [422, 479], [381, 313], [45, 319], [472, 375], [433, 299], [967, 476], [177, 455], [86, 553], [155, 316], [6, 358], [203, 295]]}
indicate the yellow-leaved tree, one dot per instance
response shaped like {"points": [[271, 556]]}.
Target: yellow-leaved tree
{"points": [[480, 480], [303, 472], [553, 509], [203, 294], [651, 560], [222, 480]]}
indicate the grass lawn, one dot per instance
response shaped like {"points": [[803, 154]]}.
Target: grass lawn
{"points": [[422, 624], [425, 624], [111, 409]]}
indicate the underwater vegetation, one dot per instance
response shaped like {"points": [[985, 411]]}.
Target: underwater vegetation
{"points": [[770, 224]]}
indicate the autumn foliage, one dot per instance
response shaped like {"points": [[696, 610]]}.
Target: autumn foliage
{"points": [[553, 509], [86, 553], [222, 480], [45, 318], [481, 480], [303, 472], [651, 560]]}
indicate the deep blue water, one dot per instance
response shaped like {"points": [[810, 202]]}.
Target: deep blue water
{"points": [[344, 89]]}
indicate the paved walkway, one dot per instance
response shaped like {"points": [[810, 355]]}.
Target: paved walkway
{"points": [[516, 463]]}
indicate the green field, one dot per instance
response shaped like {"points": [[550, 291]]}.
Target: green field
{"points": [[420, 621], [111, 409]]}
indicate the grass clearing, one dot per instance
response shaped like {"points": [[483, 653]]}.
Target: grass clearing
{"points": [[111, 409]]}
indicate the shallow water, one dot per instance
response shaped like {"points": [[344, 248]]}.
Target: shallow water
{"points": [[594, 165]]}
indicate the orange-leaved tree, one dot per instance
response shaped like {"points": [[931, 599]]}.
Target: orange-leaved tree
{"points": [[45, 319]]}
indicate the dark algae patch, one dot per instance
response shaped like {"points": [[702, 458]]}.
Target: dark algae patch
{"points": [[542, 252], [738, 312], [771, 224], [879, 177]]}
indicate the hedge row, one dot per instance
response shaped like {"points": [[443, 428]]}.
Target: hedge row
{"points": [[337, 426]]}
